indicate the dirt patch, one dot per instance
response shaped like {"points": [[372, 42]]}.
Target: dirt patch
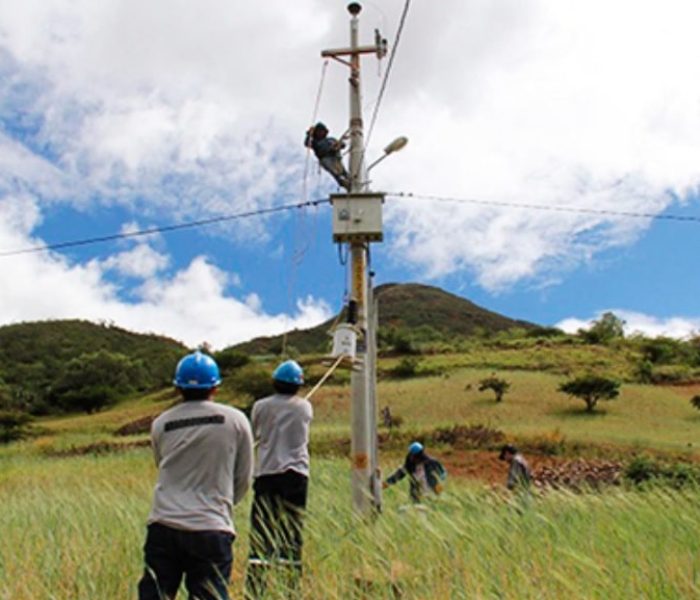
{"points": [[547, 471], [98, 448]]}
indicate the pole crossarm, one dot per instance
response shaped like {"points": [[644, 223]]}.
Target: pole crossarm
{"points": [[334, 53]]}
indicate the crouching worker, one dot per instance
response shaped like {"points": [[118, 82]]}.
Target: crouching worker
{"points": [[425, 473], [204, 453], [281, 428], [519, 476]]}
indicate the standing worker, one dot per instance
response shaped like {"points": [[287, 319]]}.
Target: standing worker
{"points": [[519, 476], [281, 428], [425, 473], [327, 150], [204, 453]]}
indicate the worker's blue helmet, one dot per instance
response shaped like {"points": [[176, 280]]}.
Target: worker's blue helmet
{"points": [[321, 126], [197, 371], [289, 372], [415, 448]]}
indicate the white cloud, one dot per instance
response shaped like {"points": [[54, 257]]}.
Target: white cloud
{"points": [[141, 261], [635, 322], [193, 305], [193, 109]]}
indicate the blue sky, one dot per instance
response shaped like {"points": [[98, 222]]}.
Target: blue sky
{"points": [[116, 117]]}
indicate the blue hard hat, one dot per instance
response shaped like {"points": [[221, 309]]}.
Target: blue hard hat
{"points": [[197, 371], [415, 448], [289, 372]]}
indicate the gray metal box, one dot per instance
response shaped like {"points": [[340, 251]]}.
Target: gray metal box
{"points": [[357, 217]]}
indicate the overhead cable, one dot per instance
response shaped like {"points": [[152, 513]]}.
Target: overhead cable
{"points": [[557, 208], [382, 89], [164, 228]]}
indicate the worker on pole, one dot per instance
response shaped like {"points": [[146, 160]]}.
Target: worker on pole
{"points": [[327, 150], [425, 473], [204, 454], [281, 428]]}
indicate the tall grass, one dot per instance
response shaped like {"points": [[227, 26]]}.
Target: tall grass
{"points": [[73, 528]]}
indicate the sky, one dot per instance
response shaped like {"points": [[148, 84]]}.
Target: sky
{"points": [[119, 115]]}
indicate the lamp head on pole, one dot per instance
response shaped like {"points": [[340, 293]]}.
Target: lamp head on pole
{"points": [[354, 8], [396, 145]]}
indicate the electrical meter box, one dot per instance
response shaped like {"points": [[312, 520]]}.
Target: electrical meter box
{"points": [[357, 217]]}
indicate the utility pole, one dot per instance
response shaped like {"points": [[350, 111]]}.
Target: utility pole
{"points": [[357, 221]]}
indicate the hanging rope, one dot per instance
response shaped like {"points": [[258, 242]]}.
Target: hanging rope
{"points": [[327, 374], [298, 252]]}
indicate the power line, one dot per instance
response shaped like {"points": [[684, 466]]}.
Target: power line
{"points": [[570, 209], [164, 228], [380, 96]]}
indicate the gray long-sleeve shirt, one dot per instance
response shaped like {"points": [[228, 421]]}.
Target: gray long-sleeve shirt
{"points": [[518, 473], [281, 426], [204, 453]]}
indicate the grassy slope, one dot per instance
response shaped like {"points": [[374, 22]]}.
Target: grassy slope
{"points": [[73, 527], [73, 530]]}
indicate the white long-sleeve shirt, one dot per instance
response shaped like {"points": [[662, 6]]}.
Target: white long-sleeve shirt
{"points": [[281, 426], [204, 453]]}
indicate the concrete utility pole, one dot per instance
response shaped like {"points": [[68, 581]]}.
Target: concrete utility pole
{"points": [[357, 221]]}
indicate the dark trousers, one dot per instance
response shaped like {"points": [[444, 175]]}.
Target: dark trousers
{"points": [[276, 523], [203, 557]]}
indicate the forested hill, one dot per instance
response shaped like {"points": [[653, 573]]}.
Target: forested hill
{"points": [[410, 310], [43, 364]]}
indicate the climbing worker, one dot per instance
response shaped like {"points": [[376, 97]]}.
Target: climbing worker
{"points": [[204, 454], [327, 150], [519, 476], [425, 473], [281, 429]]}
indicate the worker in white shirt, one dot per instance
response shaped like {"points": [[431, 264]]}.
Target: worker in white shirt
{"points": [[281, 429]]}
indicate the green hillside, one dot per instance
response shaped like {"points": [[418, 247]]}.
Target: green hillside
{"points": [[411, 310], [35, 357]]}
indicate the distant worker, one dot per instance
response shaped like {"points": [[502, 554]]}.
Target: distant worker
{"points": [[519, 476], [327, 150], [281, 428], [425, 473], [204, 454]]}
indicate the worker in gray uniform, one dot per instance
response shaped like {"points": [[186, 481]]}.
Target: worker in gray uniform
{"points": [[204, 454], [327, 150], [519, 476], [281, 428]]}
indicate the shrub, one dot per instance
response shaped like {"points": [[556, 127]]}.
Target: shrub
{"points": [[642, 469], [498, 385], [95, 380], [591, 389], [13, 426], [695, 401], [230, 359], [407, 367], [604, 330], [251, 380]]}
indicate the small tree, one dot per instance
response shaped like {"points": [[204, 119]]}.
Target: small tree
{"points": [[695, 401], [13, 426], [604, 330], [498, 385], [590, 389]]}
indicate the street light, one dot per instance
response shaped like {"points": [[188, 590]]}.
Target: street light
{"points": [[395, 146]]}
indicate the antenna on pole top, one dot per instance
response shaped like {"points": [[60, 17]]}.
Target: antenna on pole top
{"points": [[354, 8]]}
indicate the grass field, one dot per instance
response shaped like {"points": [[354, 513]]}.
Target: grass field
{"points": [[73, 526], [73, 530]]}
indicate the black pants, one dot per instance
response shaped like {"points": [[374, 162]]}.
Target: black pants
{"points": [[203, 557], [276, 523]]}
